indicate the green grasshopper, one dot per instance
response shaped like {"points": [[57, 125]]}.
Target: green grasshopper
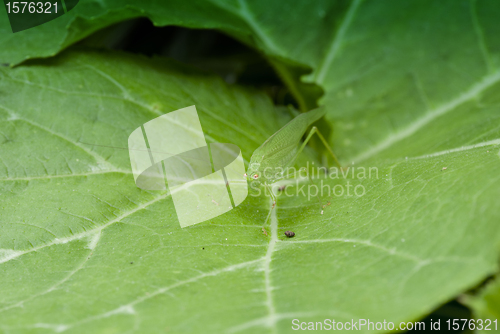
{"points": [[281, 150]]}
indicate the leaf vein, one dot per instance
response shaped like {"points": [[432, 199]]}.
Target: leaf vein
{"points": [[337, 42], [12, 254], [473, 92]]}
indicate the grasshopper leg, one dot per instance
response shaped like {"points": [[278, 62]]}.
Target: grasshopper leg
{"points": [[309, 178], [313, 131], [273, 197], [271, 194], [317, 196]]}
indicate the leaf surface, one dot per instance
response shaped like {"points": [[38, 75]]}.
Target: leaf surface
{"points": [[386, 85], [84, 250]]}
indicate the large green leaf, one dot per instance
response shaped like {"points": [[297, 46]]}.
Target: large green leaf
{"points": [[253, 22], [391, 87], [388, 68], [84, 250], [289, 34], [61, 262]]}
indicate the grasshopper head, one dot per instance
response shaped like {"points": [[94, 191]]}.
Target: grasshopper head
{"points": [[253, 173]]}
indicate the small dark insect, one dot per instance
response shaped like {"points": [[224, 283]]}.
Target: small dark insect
{"points": [[203, 248], [282, 188], [131, 262], [290, 234]]}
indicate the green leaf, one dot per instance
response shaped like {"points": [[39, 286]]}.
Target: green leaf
{"points": [[408, 86], [383, 83], [90, 16], [411, 79], [419, 236], [84, 250], [78, 238], [273, 27]]}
